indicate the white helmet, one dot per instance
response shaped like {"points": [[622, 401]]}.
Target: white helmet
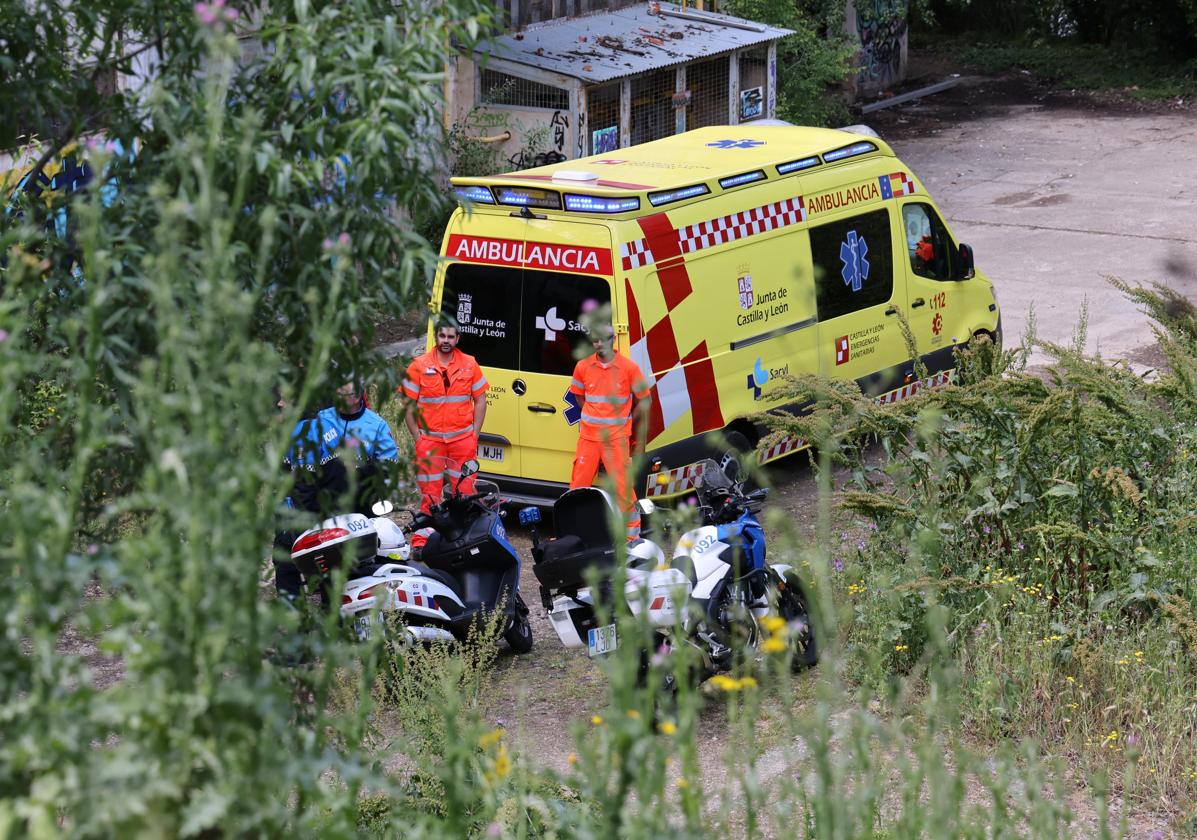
{"points": [[644, 554]]}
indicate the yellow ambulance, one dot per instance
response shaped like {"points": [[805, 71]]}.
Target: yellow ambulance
{"points": [[730, 256]]}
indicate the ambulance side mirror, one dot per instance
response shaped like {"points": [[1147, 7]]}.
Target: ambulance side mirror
{"points": [[965, 267]]}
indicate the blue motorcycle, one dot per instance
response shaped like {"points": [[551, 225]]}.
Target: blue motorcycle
{"points": [[735, 595]]}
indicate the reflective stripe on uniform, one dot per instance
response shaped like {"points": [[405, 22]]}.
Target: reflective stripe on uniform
{"points": [[428, 477], [576, 383], [411, 386], [480, 384], [447, 435], [603, 421], [460, 398], [607, 400]]}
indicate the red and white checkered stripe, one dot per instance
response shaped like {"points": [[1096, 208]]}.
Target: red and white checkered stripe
{"points": [[902, 184], [636, 254], [739, 225], [676, 481], [936, 380], [784, 447]]}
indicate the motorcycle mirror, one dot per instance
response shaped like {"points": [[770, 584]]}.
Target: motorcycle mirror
{"points": [[382, 508], [645, 507], [469, 468]]}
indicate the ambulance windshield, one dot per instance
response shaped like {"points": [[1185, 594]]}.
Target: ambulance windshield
{"points": [[521, 319]]}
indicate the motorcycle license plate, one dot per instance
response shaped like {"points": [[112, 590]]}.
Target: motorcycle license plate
{"points": [[489, 452], [363, 625], [601, 640]]}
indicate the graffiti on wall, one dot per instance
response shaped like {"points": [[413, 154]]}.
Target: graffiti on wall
{"points": [[560, 125], [881, 26]]}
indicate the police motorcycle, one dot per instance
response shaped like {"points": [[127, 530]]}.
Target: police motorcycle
{"points": [[732, 586], [585, 548], [466, 570]]}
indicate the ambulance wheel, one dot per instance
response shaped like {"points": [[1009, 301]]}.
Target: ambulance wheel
{"points": [[519, 634], [793, 606]]}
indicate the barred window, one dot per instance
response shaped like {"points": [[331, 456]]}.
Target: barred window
{"points": [[652, 105], [708, 82], [505, 89]]}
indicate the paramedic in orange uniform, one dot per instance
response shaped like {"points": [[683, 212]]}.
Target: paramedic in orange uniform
{"points": [[611, 389], [448, 404]]}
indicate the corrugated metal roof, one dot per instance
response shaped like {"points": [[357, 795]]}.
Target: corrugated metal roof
{"points": [[609, 45]]}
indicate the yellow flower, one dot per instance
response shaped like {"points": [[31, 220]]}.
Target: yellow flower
{"points": [[668, 728], [899, 647], [597, 720], [681, 783], [491, 738], [571, 759], [633, 714], [747, 682], [725, 682], [773, 623], [502, 762], [773, 645]]}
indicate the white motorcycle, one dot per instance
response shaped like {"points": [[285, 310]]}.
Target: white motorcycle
{"points": [[467, 569]]}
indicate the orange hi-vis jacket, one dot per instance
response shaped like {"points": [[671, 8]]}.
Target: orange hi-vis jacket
{"points": [[606, 391], [444, 396]]}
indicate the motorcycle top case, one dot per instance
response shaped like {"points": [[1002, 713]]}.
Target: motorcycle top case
{"points": [[350, 538], [582, 516]]}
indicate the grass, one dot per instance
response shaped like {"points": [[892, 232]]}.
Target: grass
{"points": [[1135, 74]]}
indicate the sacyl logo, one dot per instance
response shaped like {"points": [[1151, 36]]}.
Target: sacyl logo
{"points": [[550, 323]]}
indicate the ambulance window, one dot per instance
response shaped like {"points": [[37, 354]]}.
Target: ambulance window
{"points": [[927, 242], [551, 334], [853, 260], [485, 302]]}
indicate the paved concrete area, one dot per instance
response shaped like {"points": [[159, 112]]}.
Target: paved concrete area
{"points": [[1054, 194]]}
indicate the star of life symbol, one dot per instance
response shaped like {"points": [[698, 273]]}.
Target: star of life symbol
{"points": [[852, 255], [736, 144], [746, 291], [550, 323], [573, 414], [465, 308], [937, 324]]}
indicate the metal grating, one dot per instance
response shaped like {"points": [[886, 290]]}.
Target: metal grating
{"points": [[707, 81], [602, 118], [652, 106], [504, 89]]}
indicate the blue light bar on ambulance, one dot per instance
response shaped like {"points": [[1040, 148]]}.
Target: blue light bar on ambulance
{"points": [[598, 204], [742, 178], [849, 151], [478, 195], [658, 198], [794, 165], [529, 197]]}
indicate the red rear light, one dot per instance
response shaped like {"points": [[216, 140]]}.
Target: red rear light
{"points": [[317, 537], [371, 592], [345, 599]]}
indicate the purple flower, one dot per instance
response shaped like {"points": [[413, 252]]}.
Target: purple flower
{"points": [[93, 549], [985, 529], [660, 656], [872, 526], [327, 244], [860, 545], [343, 240], [1020, 546], [838, 565], [3, 336], [494, 830], [215, 14]]}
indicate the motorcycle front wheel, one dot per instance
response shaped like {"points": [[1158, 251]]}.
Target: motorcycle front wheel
{"points": [[519, 633], [793, 607]]}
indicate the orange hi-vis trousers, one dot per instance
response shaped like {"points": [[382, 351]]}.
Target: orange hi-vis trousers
{"points": [[436, 460], [615, 456]]}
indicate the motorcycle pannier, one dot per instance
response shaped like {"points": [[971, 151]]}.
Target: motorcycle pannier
{"points": [[582, 517]]}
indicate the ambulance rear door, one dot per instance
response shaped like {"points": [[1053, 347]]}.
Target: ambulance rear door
{"points": [[567, 272]]}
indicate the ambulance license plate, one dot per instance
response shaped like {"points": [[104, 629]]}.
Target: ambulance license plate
{"points": [[601, 640], [488, 452]]}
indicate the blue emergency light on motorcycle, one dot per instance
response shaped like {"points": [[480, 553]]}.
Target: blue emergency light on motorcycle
{"points": [[529, 515]]}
